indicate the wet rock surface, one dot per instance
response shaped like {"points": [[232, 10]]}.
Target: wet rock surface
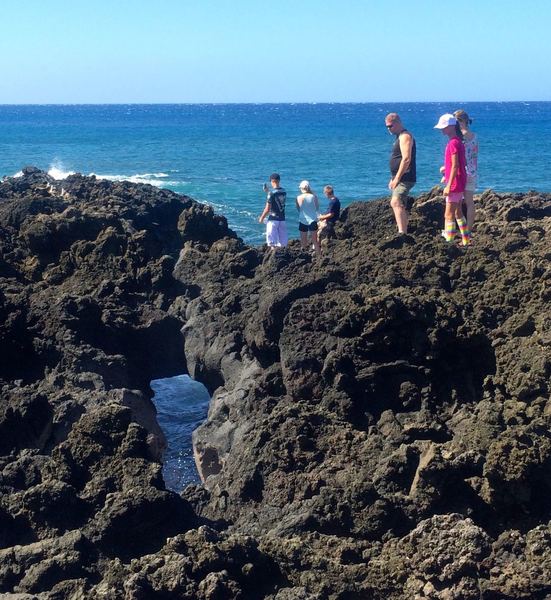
{"points": [[380, 420]]}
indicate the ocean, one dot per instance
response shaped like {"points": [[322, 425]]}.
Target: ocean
{"points": [[223, 153], [181, 406]]}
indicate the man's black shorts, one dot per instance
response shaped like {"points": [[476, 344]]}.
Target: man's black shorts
{"points": [[312, 227]]}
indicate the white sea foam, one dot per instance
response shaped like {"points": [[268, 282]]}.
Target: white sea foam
{"points": [[57, 172], [156, 179], [141, 176]]}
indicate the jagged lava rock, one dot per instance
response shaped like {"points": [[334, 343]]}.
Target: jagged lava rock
{"points": [[379, 426], [360, 395], [85, 284]]}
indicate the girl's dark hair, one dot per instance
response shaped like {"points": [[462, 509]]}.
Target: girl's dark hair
{"points": [[458, 131]]}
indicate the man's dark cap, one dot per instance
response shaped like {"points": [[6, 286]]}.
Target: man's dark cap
{"points": [[275, 177]]}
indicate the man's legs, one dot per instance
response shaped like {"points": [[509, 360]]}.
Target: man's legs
{"points": [[272, 236], [398, 204], [400, 214]]}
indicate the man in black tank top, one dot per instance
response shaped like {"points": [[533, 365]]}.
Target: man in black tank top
{"points": [[403, 169]]}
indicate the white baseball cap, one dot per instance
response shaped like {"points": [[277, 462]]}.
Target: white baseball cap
{"points": [[445, 120], [304, 185]]}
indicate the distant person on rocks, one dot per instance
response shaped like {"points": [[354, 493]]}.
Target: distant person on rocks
{"points": [[403, 170], [470, 141], [326, 221], [308, 208], [455, 177], [276, 227]]}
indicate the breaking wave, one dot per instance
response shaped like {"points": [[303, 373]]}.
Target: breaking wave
{"points": [[156, 179], [58, 173]]}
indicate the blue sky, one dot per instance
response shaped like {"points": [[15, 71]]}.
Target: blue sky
{"points": [[119, 51]]}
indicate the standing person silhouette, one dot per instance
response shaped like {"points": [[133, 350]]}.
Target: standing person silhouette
{"points": [[455, 176], [403, 169], [308, 209], [470, 140], [326, 221], [276, 227]]}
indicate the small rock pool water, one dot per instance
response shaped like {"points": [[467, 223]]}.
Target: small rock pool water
{"points": [[182, 405]]}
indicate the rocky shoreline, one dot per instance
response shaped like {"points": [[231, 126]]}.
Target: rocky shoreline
{"points": [[380, 419]]}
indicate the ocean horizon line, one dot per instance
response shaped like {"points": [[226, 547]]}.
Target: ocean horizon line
{"points": [[304, 103]]}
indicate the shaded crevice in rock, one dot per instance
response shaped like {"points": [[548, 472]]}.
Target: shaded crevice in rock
{"points": [[24, 423], [263, 337], [21, 358], [463, 364]]}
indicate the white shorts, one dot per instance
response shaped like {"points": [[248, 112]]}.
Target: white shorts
{"points": [[276, 233], [470, 186]]}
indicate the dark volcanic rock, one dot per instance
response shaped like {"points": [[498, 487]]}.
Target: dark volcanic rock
{"points": [[85, 284], [363, 394], [380, 420]]}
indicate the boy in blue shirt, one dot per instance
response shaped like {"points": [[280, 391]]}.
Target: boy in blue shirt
{"points": [[326, 222]]}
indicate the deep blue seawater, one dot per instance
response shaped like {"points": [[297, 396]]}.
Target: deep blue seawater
{"points": [[221, 154], [181, 406]]}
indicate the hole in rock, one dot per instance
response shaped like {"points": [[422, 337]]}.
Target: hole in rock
{"points": [[182, 405]]}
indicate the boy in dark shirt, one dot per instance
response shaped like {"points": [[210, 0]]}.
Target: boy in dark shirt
{"points": [[326, 222], [276, 227]]}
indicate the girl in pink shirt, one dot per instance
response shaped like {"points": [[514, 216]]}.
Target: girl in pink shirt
{"points": [[455, 176]]}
